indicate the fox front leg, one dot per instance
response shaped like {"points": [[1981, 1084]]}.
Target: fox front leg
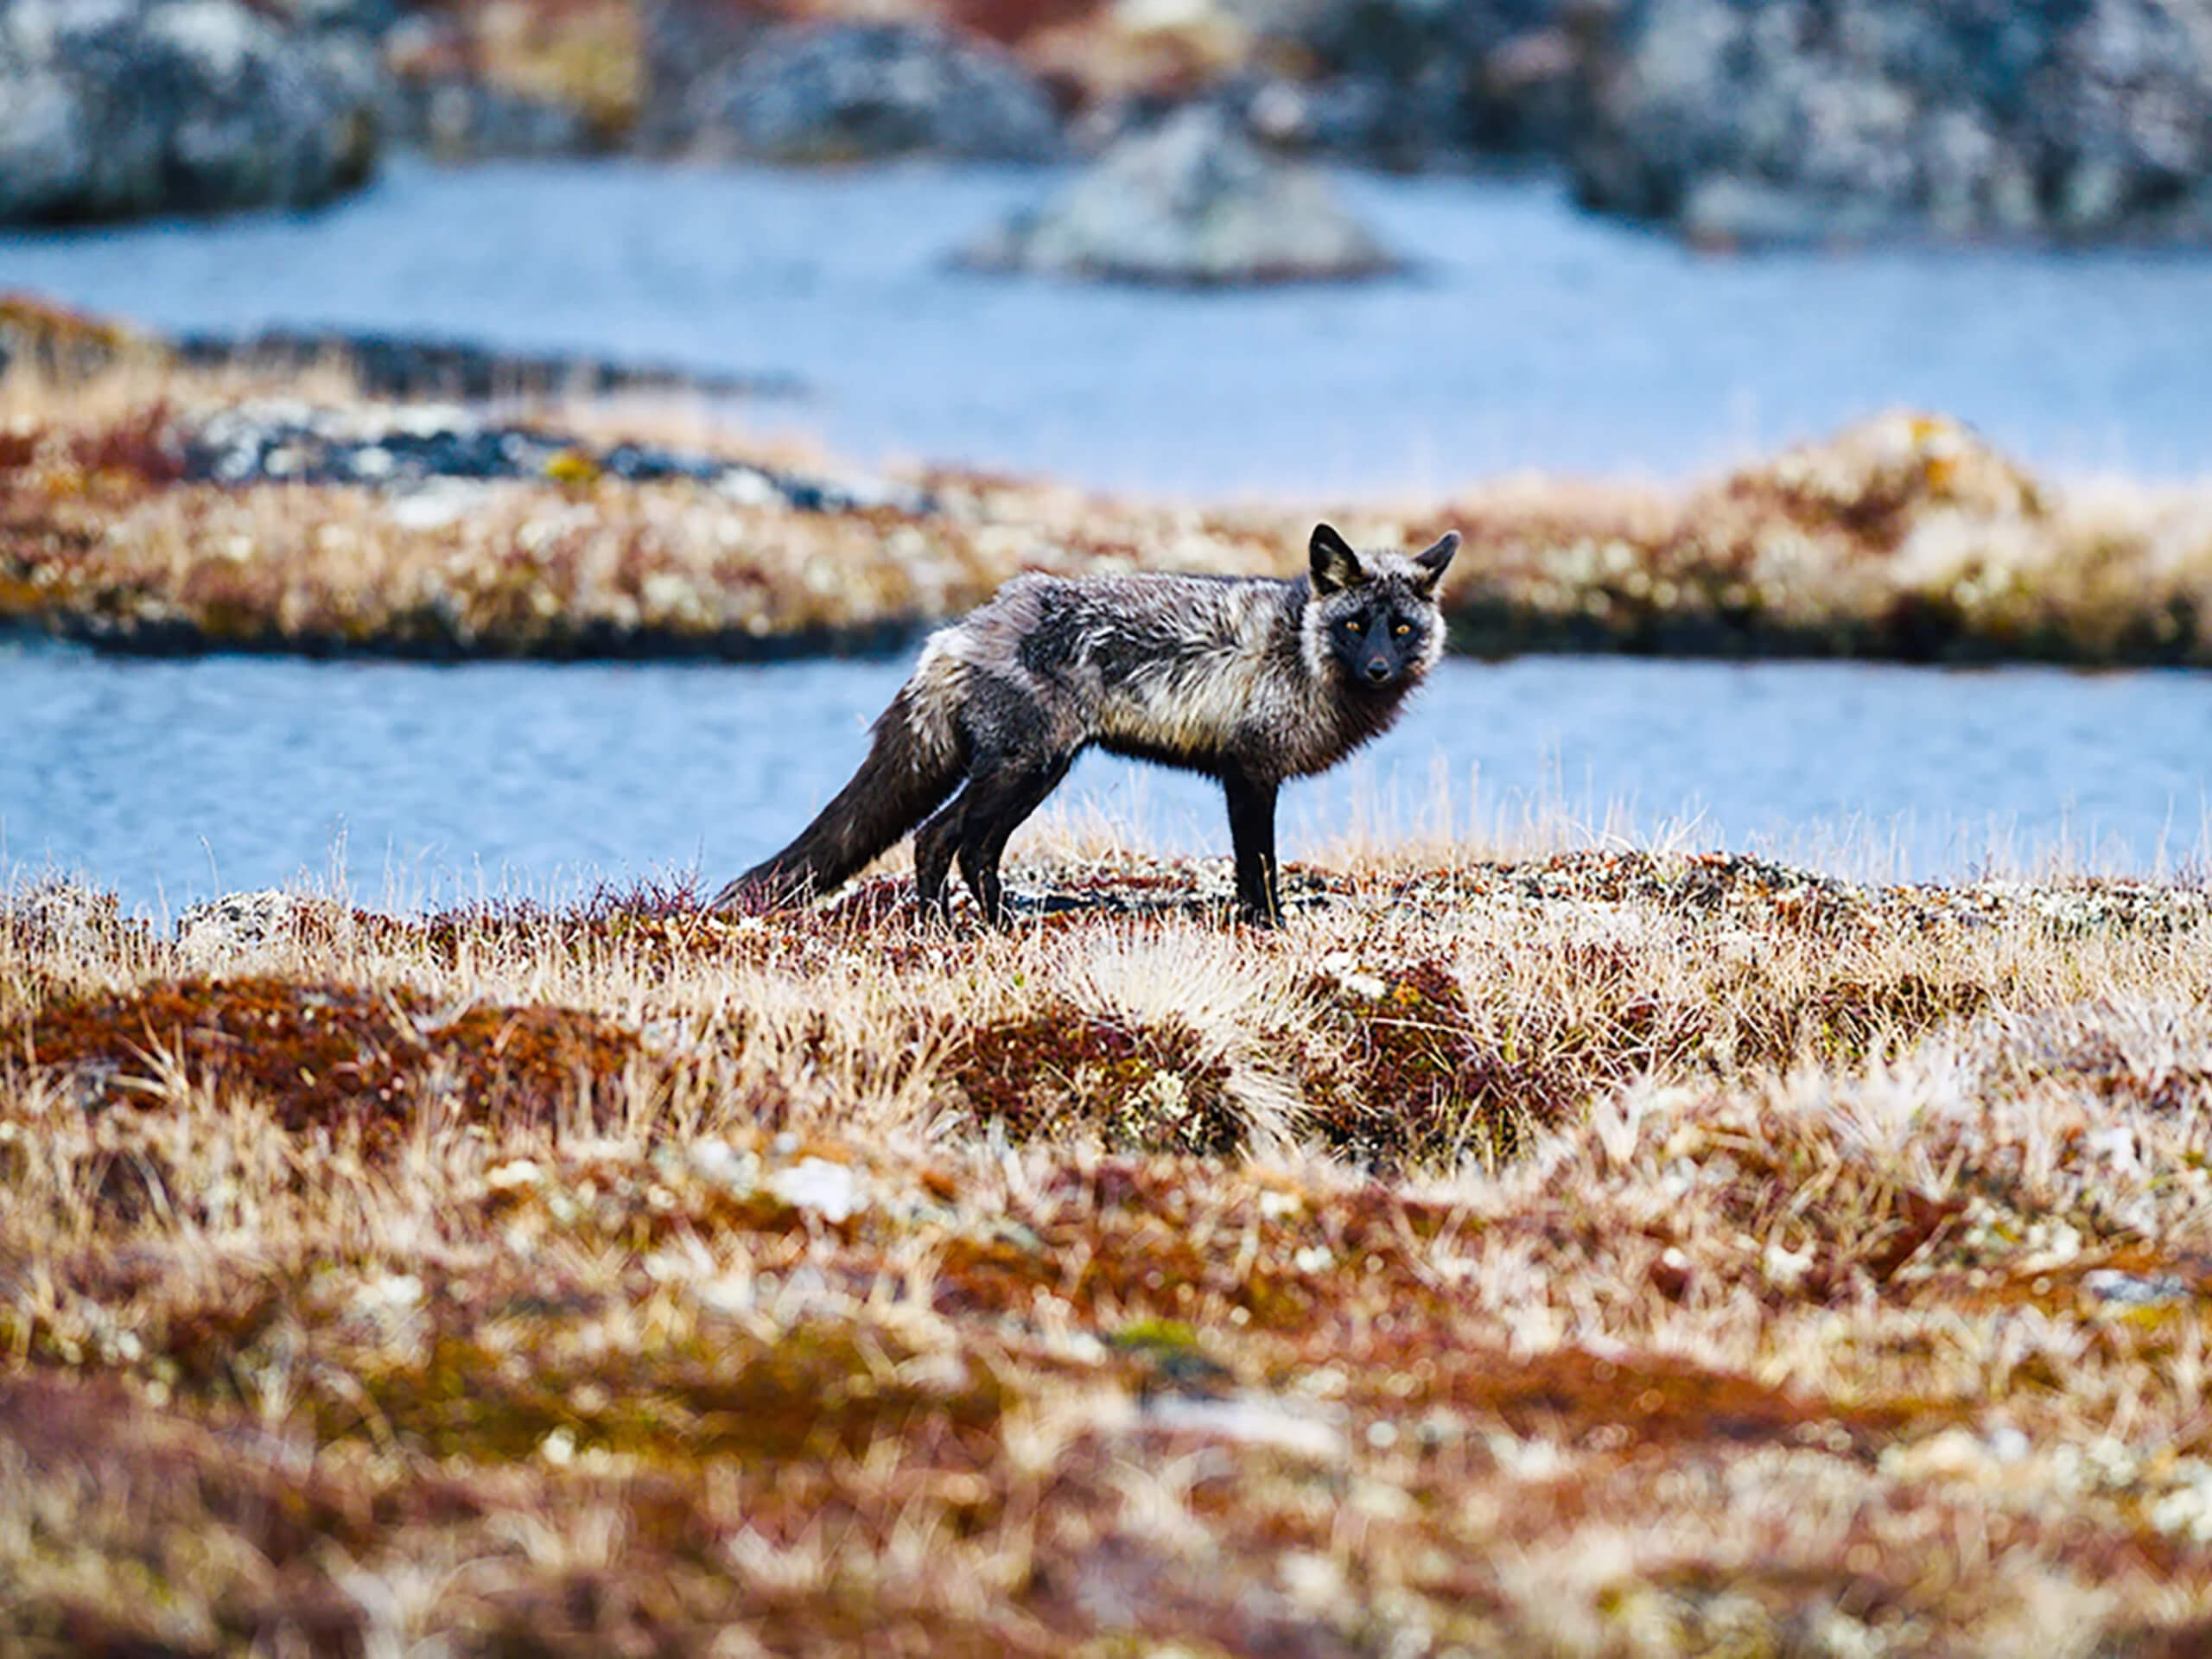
{"points": [[1252, 835]]}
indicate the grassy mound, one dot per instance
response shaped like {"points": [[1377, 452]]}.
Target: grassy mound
{"points": [[123, 522]]}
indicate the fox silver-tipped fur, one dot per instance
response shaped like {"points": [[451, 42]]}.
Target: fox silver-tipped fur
{"points": [[1249, 680]]}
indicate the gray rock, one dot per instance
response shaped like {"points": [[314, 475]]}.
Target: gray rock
{"points": [[1759, 121], [111, 108], [1194, 203], [691, 48], [411, 446], [1410, 83], [58, 915], [853, 92]]}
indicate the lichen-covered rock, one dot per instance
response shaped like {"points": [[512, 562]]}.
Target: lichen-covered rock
{"points": [[406, 447], [853, 91], [1815, 120], [61, 916], [1194, 202], [112, 108], [222, 931]]}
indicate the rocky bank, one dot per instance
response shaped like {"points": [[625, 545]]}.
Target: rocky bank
{"points": [[1740, 121], [1736, 122], [159, 510]]}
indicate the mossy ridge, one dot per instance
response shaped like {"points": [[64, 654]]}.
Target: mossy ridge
{"points": [[1904, 537]]}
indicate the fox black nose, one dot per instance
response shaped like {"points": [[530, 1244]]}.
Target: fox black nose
{"points": [[1378, 671]]}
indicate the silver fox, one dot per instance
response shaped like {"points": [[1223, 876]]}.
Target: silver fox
{"points": [[1249, 680]]}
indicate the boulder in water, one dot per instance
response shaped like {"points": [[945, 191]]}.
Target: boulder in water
{"points": [[1194, 202]]}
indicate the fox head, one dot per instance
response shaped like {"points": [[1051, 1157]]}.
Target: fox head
{"points": [[1375, 615]]}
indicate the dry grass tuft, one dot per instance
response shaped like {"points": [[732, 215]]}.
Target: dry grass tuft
{"points": [[1601, 1254]]}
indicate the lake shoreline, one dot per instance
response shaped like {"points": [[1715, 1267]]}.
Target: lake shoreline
{"points": [[158, 511]]}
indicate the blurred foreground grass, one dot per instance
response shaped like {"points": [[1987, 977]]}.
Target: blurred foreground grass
{"points": [[1597, 1253]]}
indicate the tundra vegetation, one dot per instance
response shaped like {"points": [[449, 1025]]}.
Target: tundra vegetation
{"points": [[1532, 1248], [1576, 1252]]}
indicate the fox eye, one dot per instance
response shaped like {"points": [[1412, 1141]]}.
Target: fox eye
{"points": [[1402, 629], [1352, 625]]}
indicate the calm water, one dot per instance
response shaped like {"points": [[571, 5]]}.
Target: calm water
{"points": [[170, 780], [1532, 336]]}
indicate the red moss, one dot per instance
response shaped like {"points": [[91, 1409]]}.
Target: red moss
{"points": [[1148, 1087], [141, 447], [329, 1056], [816, 1391], [1647, 1402]]}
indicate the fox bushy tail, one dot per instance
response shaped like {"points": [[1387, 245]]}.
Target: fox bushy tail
{"points": [[914, 762]]}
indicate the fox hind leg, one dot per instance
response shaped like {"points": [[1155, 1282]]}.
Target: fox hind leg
{"points": [[1001, 802], [934, 848]]}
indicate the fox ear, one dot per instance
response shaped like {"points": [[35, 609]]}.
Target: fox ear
{"points": [[1335, 565], [1437, 559]]}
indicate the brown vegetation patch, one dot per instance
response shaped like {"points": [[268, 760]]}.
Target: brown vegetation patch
{"points": [[820, 1390], [1064, 1069], [1842, 1020], [1424, 1087], [337, 1056], [1646, 1402], [226, 1517], [1118, 1243]]}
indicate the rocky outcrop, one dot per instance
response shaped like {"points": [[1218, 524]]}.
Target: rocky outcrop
{"points": [[857, 91], [111, 108], [1762, 121], [1194, 203], [1409, 83], [407, 447], [255, 928]]}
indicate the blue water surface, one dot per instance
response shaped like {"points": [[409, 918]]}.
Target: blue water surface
{"points": [[169, 781], [1529, 335]]}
